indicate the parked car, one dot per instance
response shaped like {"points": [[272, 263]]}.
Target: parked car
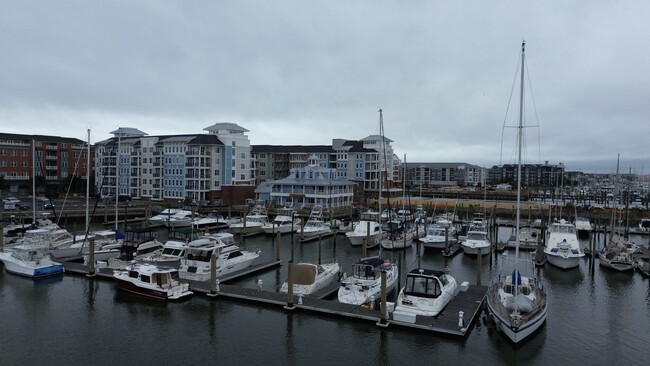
{"points": [[48, 205], [11, 200], [22, 206]]}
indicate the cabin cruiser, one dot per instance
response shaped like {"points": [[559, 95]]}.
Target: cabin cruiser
{"points": [[367, 229], [284, 222], [252, 223], [31, 258], [476, 240], [562, 247], [182, 218], [437, 235], [163, 216], [196, 264], [364, 285], [152, 281], [426, 292], [315, 225], [309, 278]]}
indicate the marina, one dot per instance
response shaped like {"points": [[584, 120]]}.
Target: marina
{"points": [[261, 314]]}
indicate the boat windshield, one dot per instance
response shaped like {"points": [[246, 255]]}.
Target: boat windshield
{"points": [[422, 286]]}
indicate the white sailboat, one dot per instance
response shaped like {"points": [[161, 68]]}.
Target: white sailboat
{"points": [[517, 303], [617, 253]]}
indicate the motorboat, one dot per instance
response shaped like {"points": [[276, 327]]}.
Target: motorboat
{"points": [[478, 223], [426, 292], [252, 223], [364, 285], [583, 227], [475, 241], [366, 230], [163, 216], [529, 237], [212, 219], [196, 264], [438, 236], [182, 218], [562, 248], [155, 282], [171, 253], [31, 258], [315, 225], [309, 278], [107, 244], [516, 303], [404, 215], [284, 222]]}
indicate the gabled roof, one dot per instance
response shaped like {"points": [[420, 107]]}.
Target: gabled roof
{"points": [[376, 138]]}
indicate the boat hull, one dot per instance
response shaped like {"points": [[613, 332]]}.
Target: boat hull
{"points": [[517, 335], [473, 250], [31, 269], [152, 293], [563, 262]]}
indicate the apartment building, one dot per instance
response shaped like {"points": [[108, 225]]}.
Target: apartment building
{"points": [[54, 158], [208, 167]]}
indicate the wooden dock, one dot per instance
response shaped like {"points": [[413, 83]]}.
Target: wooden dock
{"points": [[469, 302], [317, 237]]}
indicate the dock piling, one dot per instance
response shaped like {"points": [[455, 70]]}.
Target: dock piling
{"points": [[91, 258], [213, 276], [290, 305], [382, 308]]}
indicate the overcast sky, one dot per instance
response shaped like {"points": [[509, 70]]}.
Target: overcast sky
{"points": [[305, 72]]}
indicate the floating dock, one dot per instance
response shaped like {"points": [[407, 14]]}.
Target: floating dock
{"points": [[469, 302]]}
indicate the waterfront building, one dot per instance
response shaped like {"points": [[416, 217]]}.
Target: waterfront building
{"points": [[436, 175], [212, 167], [57, 160], [309, 186], [532, 175]]}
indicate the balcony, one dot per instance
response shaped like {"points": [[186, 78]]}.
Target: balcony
{"points": [[51, 157], [51, 147], [51, 167]]}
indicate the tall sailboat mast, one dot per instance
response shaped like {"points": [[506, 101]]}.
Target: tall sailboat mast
{"points": [[519, 143], [87, 182]]}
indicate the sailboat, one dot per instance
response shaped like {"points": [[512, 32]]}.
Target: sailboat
{"points": [[399, 234], [517, 303], [617, 254]]}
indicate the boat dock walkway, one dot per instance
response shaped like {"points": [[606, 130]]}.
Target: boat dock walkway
{"points": [[469, 302]]}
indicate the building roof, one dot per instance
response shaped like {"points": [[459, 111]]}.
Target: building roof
{"points": [[225, 126], [256, 149], [42, 138], [127, 131], [376, 138]]}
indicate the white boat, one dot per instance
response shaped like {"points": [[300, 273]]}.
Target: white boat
{"points": [[478, 223], [397, 236], [475, 241], [367, 229], [562, 248], [644, 224], [106, 245], [617, 254], [426, 293], [583, 226], [436, 236], [152, 281], [517, 304], [196, 263], [213, 219], [31, 258], [252, 223], [404, 215], [528, 238], [315, 225], [309, 278], [162, 217], [182, 218], [284, 222], [170, 254], [364, 285]]}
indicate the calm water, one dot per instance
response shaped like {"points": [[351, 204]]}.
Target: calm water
{"points": [[596, 319]]}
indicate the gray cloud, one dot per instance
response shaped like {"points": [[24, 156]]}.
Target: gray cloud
{"points": [[295, 72]]}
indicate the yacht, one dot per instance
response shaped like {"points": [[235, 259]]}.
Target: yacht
{"points": [[152, 281], [583, 226], [476, 240], [562, 247], [437, 235], [367, 229], [426, 292], [529, 236], [31, 258], [196, 266], [284, 222], [309, 278], [252, 223], [364, 285], [182, 218], [171, 253], [315, 225], [162, 217]]}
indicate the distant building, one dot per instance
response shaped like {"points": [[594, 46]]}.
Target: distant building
{"points": [[532, 175], [437, 175], [57, 159], [202, 167], [308, 186]]}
